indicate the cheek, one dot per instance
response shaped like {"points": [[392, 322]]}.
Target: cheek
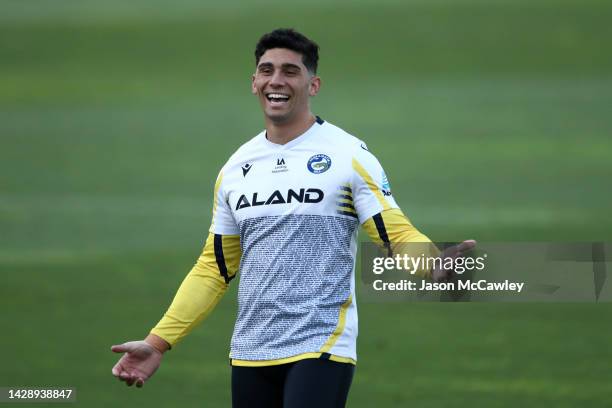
{"points": [[256, 86]]}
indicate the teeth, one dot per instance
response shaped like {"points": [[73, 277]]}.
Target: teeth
{"points": [[278, 96]]}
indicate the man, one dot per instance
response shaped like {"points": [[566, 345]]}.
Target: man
{"points": [[287, 207]]}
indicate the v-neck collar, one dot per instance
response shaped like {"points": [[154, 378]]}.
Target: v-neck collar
{"points": [[304, 136]]}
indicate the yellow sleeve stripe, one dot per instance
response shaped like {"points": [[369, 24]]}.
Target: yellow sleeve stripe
{"points": [[344, 203], [339, 328], [350, 209], [292, 359], [346, 189], [371, 184]]}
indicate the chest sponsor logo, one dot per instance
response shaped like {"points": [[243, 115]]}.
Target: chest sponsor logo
{"points": [[281, 167], [303, 195], [319, 163]]}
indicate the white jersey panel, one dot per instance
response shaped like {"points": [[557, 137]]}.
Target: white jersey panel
{"points": [[223, 222]]}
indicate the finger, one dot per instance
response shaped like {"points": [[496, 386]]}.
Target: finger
{"points": [[116, 370], [451, 252], [466, 245], [443, 277], [457, 250], [124, 376], [121, 348], [130, 381], [139, 382]]}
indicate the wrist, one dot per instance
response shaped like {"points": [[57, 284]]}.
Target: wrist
{"points": [[157, 343]]}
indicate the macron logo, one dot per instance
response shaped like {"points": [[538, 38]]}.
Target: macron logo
{"points": [[246, 168]]}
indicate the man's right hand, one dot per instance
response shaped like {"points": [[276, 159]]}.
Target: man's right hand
{"points": [[139, 362], [439, 274]]}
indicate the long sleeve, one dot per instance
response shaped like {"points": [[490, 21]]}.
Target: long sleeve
{"points": [[208, 280], [380, 215], [202, 288], [392, 230]]}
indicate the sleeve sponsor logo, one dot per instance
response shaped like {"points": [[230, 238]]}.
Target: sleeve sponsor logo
{"points": [[386, 187]]}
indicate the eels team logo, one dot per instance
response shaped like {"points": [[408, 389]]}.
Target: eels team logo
{"points": [[319, 163]]}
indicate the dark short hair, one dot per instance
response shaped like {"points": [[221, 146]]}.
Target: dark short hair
{"points": [[292, 40]]}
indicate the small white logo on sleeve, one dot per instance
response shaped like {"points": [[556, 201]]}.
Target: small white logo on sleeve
{"points": [[386, 187]]}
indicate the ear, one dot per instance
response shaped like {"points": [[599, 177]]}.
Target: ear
{"points": [[315, 85], [253, 88]]}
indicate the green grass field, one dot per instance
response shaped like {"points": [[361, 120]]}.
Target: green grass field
{"points": [[490, 118]]}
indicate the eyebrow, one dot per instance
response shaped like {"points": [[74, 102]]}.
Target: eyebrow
{"points": [[284, 66]]}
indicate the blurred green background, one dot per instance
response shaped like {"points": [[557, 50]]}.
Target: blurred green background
{"points": [[491, 118]]}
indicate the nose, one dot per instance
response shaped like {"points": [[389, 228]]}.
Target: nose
{"points": [[278, 79]]}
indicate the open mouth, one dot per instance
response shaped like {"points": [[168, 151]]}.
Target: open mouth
{"points": [[277, 98]]}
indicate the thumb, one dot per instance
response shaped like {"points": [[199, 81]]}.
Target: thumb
{"points": [[459, 249], [466, 245], [122, 348]]}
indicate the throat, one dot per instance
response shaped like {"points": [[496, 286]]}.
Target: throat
{"points": [[283, 133]]}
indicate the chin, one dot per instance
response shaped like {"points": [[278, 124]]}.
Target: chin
{"points": [[278, 117]]}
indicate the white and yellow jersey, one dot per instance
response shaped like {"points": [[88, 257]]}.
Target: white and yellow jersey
{"points": [[286, 218]]}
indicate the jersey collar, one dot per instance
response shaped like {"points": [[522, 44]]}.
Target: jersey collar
{"points": [[304, 136]]}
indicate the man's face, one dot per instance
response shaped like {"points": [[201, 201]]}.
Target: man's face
{"points": [[283, 85]]}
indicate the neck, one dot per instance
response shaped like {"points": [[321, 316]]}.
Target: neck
{"points": [[281, 133]]}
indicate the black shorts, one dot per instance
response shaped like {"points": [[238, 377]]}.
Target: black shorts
{"points": [[304, 384]]}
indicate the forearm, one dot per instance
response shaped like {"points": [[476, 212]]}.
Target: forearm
{"points": [[393, 230], [196, 298]]}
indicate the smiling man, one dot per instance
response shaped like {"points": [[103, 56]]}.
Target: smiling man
{"points": [[286, 211], [284, 83]]}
